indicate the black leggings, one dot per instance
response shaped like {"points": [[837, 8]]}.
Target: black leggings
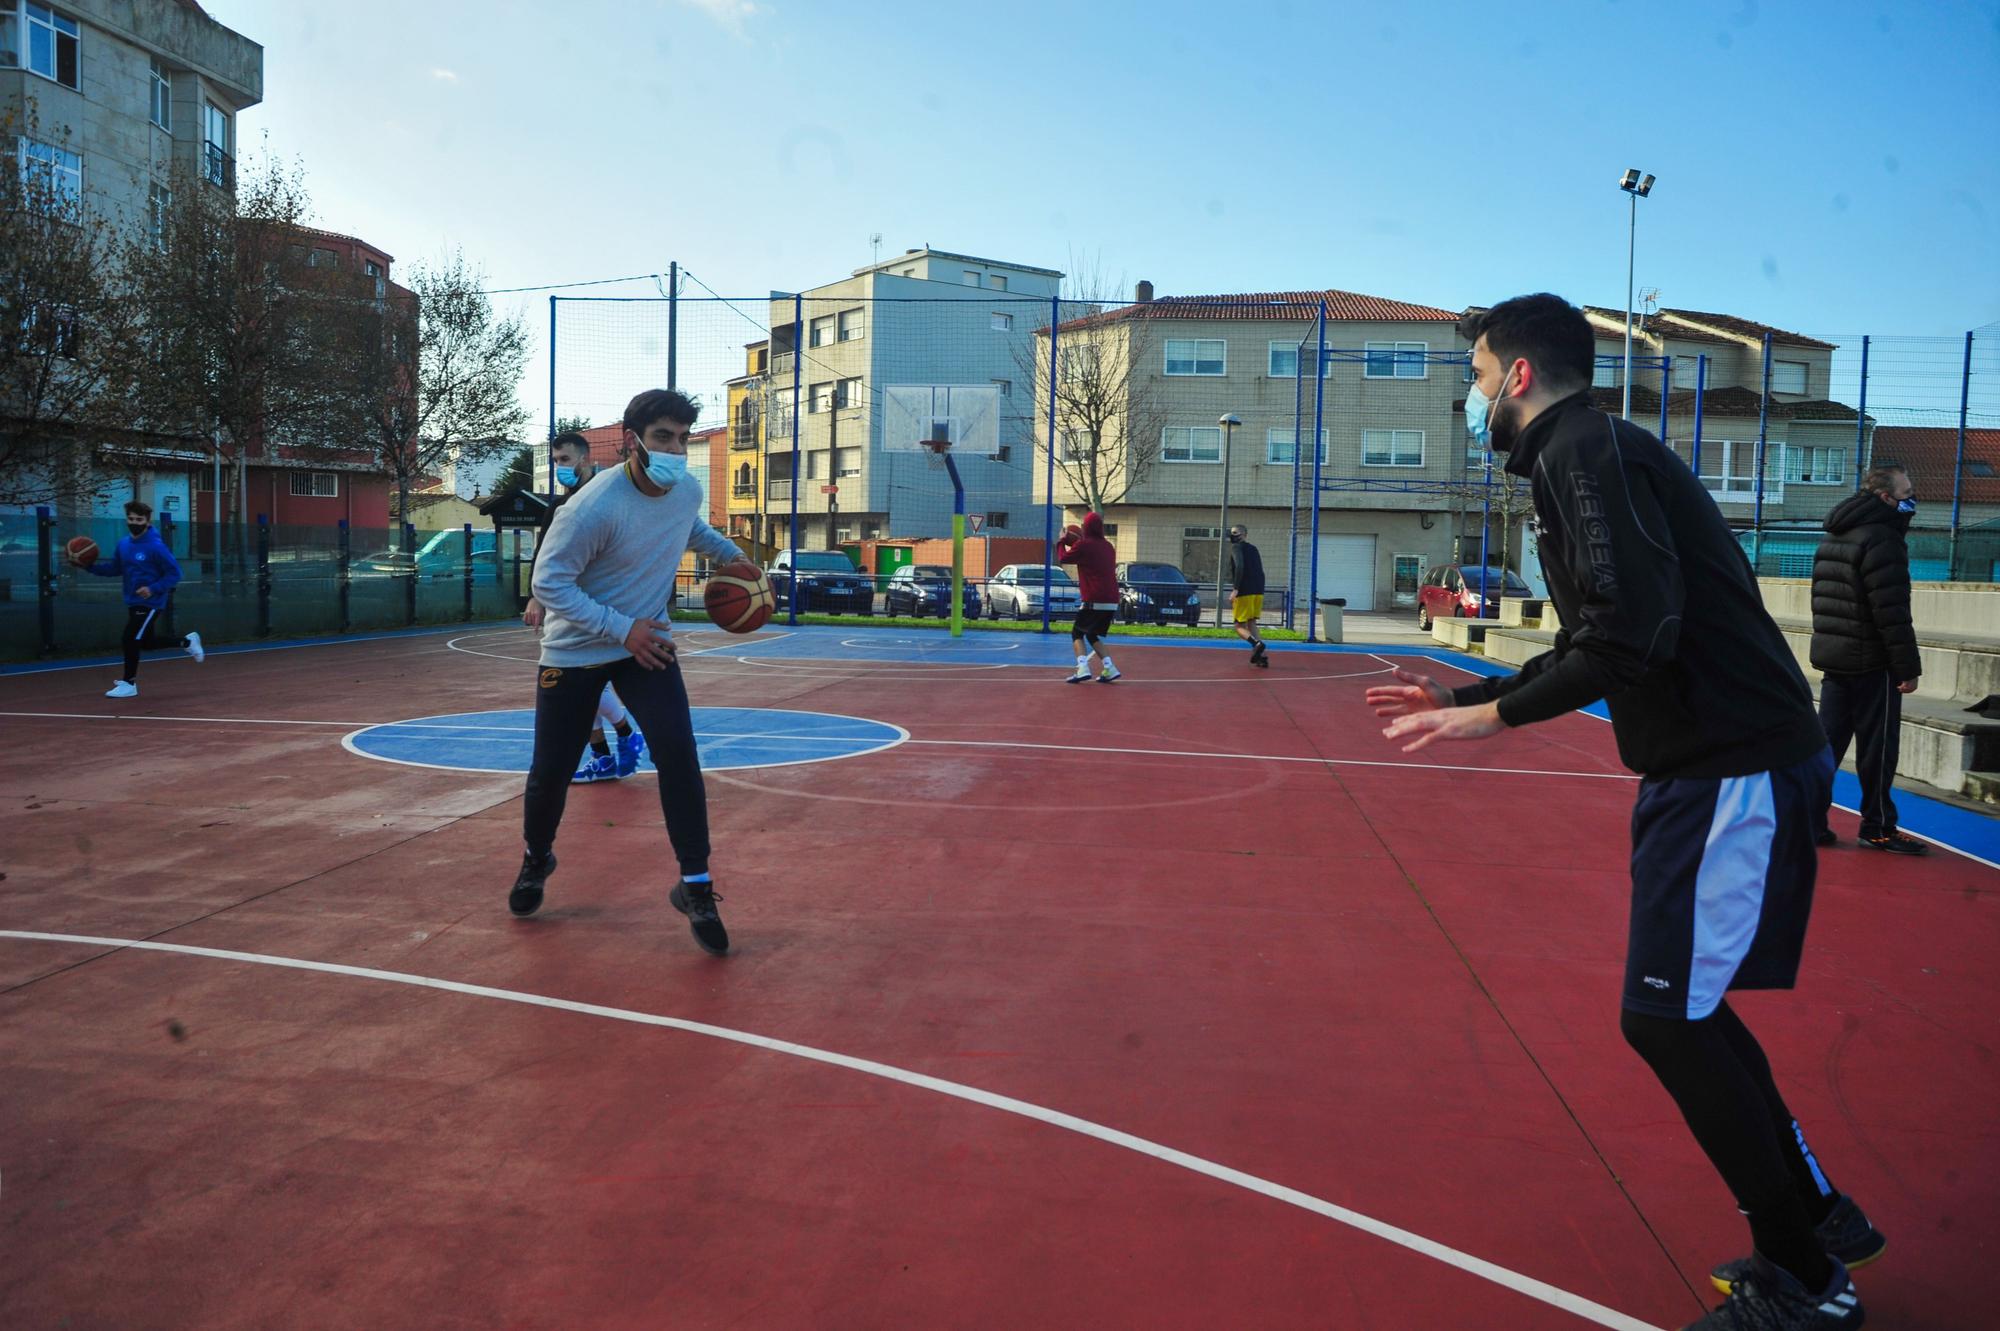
{"points": [[1718, 1075], [566, 709], [140, 621]]}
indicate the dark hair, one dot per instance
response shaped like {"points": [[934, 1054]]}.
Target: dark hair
{"points": [[657, 404], [1882, 480], [1546, 331], [570, 439], [143, 509]]}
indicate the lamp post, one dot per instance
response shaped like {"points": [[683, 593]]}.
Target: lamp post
{"points": [[1638, 189], [1228, 424]]}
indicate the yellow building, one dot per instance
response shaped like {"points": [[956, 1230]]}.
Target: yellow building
{"points": [[742, 480]]}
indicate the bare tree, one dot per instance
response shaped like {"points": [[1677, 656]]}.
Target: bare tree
{"points": [[1108, 417], [1507, 501], [434, 376], [241, 332], [66, 325]]}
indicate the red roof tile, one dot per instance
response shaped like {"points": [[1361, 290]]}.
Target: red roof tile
{"points": [[1284, 306], [1695, 326], [1929, 454]]}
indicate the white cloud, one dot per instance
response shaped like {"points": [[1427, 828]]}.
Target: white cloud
{"points": [[731, 14], [444, 76]]}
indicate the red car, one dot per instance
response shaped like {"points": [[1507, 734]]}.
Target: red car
{"points": [[1452, 591]]}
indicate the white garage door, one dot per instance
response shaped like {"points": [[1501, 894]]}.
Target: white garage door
{"points": [[1346, 568]]}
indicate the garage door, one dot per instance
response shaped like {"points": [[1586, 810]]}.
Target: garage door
{"points": [[1346, 567]]}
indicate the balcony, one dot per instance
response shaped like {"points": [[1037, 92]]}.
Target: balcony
{"points": [[743, 490], [743, 434], [218, 167], [781, 366]]}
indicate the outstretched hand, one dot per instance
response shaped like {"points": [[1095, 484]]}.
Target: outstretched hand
{"points": [[1448, 723], [1411, 693]]}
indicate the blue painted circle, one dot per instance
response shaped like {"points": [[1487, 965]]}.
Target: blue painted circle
{"points": [[726, 737]]}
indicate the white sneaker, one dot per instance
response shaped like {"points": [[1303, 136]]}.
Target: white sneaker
{"points": [[1080, 677], [194, 649], [124, 688]]}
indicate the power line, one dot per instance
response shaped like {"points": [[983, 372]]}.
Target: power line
{"points": [[564, 286]]}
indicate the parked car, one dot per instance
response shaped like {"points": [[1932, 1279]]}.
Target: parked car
{"points": [[829, 584], [1017, 590], [1451, 591], [925, 589], [438, 559], [1156, 594]]}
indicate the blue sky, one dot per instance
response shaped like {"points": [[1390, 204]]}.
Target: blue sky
{"points": [[1826, 167]]}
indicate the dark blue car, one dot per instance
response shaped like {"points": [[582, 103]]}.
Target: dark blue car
{"points": [[925, 589]]}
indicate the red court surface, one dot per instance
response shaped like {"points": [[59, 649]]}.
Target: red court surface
{"points": [[1184, 1002]]}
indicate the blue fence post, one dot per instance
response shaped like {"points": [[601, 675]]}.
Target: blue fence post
{"points": [[1319, 416], [1700, 392], [1666, 386], [1763, 440], [410, 581], [45, 576], [798, 366], [1298, 475], [1049, 515], [342, 577], [552, 390], [1861, 420], [263, 575], [1958, 459], [465, 566], [167, 615], [673, 324]]}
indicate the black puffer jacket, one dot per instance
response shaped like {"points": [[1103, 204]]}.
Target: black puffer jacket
{"points": [[1861, 592]]}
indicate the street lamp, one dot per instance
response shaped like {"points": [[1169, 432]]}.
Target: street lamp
{"points": [[1228, 424], [1638, 189]]}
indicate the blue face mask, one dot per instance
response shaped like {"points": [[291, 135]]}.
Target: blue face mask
{"points": [[1478, 413], [666, 470], [566, 477], [1908, 505]]}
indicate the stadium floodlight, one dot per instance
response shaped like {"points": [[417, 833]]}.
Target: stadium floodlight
{"points": [[1637, 188], [1228, 423]]}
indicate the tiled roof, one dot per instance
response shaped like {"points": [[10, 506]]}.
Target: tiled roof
{"points": [[1929, 455], [1732, 402], [1695, 326], [1279, 306]]}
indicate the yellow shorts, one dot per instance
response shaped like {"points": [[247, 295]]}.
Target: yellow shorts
{"points": [[1248, 608]]}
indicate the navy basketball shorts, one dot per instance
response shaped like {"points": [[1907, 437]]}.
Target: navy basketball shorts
{"points": [[1722, 885]]}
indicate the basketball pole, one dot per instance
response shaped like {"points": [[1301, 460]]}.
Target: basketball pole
{"points": [[957, 537]]}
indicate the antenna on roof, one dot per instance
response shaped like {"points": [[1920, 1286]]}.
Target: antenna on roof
{"points": [[1650, 298], [875, 243]]}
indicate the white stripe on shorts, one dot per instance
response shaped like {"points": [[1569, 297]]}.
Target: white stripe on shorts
{"points": [[1729, 887]]}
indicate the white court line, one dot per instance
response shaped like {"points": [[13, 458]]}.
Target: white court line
{"points": [[1086, 750], [228, 650], [1507, 1279], [453, 645]]}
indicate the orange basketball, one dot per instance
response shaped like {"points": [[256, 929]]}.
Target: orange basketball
{"points": [[82, 551], [738, 598]]}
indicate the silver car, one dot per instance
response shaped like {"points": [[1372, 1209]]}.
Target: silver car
{"points": [[1017, 590]]}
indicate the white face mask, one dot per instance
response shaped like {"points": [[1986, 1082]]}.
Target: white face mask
{"points": [[666, 470]]}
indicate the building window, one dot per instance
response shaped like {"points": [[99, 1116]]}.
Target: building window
{"points": [[1396, 360], [1813, 465], [970, 278], [814, 467], [1004, 386], [847, 462], [1191, 443], [996, 282], [217, 167], [851, 325], [847, 393], [54, 176], [1281, 446], [1003, 323], [998, 519], [1392, 448], [1788, 376], [818, 398], [822, 331], [159, 203], [315, 485], [1005, 451], [52, 328], [1192, 356], [320, 258], [372, 268], [1285, 361], [163, 97], [51, 44]]}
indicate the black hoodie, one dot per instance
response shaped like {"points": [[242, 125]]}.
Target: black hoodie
{"points": [[1661, 613], [1861, 592]]}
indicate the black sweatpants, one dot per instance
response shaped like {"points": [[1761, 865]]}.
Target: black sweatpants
{"points": [[566, 709], [1867, 710], [140, 621]]}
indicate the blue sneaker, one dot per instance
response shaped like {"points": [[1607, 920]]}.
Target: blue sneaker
{"points": [[629, 748], [601, 767]]}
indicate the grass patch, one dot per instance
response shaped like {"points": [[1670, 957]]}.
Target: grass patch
{"points": [[1059, 626]]}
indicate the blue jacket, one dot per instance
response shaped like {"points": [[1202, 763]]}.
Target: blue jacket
{"points": [[146, 562]]}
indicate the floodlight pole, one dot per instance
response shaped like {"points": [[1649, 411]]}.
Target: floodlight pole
{"points": [[1631, 254], [1228, 424]]}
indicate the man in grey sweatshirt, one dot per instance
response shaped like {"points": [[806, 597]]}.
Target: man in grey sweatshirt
{"points": [[604, 576]]}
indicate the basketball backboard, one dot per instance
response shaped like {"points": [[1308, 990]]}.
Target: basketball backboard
{"points": [[965, 415]]}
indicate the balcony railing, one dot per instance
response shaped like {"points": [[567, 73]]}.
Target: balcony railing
{"points": [[743, 490], [743, 434], [781, 367], [217, 166]]}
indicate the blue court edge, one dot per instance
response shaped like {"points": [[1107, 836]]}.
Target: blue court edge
{"points": [[271, 645]]}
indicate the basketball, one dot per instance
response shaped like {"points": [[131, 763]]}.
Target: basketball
{"points": [[738, 598], [81, 550]]}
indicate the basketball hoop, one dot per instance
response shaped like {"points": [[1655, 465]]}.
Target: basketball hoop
{"points": [[936, 448]]}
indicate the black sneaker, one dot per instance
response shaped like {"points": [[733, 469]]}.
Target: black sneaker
{"points": [[697, 902], [1896, 843], [1846, 1235], [1257, 655], [1826, 838], [526, 898], [1766, 1298]]}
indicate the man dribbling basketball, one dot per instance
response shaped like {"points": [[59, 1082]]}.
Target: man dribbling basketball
{"points": [[605, 576]]}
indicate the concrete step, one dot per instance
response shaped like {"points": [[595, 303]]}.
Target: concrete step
{"points": [[1983, 786], [1949, 609], [1462, 634], [1963, 666], [1942, 744], [1520, 611]]}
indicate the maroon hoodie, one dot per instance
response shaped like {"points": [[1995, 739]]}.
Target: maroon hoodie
{"points": [[1096, 563]]}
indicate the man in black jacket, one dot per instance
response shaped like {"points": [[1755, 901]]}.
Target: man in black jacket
{"points": [[1865, 647], [1709, 706]]}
